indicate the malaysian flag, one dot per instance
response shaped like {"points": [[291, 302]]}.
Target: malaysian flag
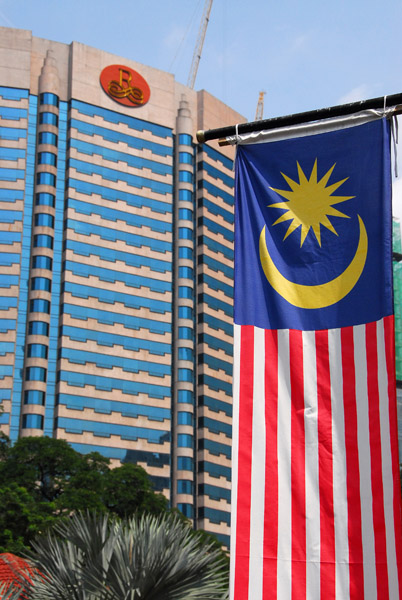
{"points": [[316, 492]]}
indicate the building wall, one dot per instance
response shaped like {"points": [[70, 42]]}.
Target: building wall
{"points": [[116, 252]]}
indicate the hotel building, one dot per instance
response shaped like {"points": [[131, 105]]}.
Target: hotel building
{"points": [[116, 254]]}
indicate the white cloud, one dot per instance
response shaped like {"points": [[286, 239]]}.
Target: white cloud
{"points": [[360, 92]]}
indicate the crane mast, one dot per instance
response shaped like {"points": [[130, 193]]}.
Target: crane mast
{"points": [[200, 42], [259, 113]]}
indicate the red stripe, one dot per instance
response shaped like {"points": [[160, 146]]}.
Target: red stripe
{"points": [[377, 486], [389, 333], [244, 462], [325, 468], [298, 466], [271, 467], [356, 575]]}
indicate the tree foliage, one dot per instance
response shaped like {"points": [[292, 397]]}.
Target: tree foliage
{"points": [[95, 557], [43, 479]]}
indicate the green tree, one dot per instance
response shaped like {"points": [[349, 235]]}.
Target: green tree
{"points": [[95, 557], [21, 518], [43, 479], [128, 490]]}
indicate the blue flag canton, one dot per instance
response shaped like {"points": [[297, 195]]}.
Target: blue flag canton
{"points": [[313, 247]]}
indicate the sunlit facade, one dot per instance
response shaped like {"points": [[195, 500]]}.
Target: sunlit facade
{"points": [[116, 254]]}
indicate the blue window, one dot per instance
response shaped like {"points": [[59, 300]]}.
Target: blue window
{"points": [[185, 252], [185, 292], [40, 305], [184, 418], [185, 396], [45, 137], [47, 158], [185, 233], [38, 328], [35, 374], [185, 139], [185, 374], [184, 440], [41, 283], [43, 241], [185, 463], [186, 195], [44, 199], [37, 351], [185, 333], [48, 98], [185, 213], [47, 118], [186, 176], [185, 312], [42, 262], [46, 179], [186, 272], [186, 158], [184, 486], [44, 220], [34, 397], [186, 354], [186, 509], [32, 422]]}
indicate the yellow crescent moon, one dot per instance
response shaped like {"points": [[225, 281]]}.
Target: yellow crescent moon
{"points": [[324, 294]]}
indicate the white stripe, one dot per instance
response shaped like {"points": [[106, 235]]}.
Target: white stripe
{"points": [[235, 450], [257, 469], [284, 573], [387, 463], [312, 482], [363, 442], [339, 467]]}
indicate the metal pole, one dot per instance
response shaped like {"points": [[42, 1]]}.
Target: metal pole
{"points": [[304, 117]]}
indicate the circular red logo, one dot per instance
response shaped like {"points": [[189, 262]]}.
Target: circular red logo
{"points": [[125, 86]]}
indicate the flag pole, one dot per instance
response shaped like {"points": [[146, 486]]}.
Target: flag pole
{"points": [[394, 101]]}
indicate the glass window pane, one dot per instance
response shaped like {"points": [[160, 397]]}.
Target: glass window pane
{"points": [[184, 440], [39, 305], [46, 137], [186, 176], [185, 157], [37, 350], [34, 397], [42, 262], [185, 396], [46, 179], [47, 158], [41, 283], [43, 241], [47, 118], [185, 195], [48, 98], [44, 220], [32, 422], [44, 199], [38, 328], [185, 139], [184, 418], [35, 374]]}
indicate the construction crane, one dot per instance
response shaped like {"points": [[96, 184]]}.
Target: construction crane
{"points": [[259, 113], [200, 43]]}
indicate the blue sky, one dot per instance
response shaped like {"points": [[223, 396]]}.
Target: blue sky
{"points": [[304, 55]]}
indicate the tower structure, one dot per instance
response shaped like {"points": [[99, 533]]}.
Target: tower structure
{"points": [[116, 249]]}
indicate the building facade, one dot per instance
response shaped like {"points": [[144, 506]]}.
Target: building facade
{"points": [[116, 267]]}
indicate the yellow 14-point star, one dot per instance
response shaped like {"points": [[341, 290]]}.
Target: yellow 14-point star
{"points": [[310, 203]]}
